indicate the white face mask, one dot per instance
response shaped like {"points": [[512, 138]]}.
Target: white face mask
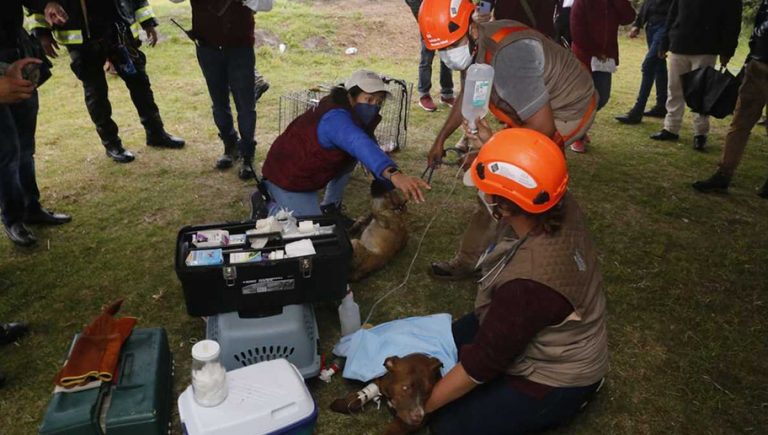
{"points": [[457, 58]]}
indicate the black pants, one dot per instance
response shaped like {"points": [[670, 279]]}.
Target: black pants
{"points": [[88, 65]]}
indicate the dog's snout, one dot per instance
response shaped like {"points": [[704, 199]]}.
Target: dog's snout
{"points": [[416, 415]]}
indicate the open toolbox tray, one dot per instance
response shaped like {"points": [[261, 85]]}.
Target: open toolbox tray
{"points": [[261, 288]]}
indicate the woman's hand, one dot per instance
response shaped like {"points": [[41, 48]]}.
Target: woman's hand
{"points": [[481, 136], [410, 186], [453, 385]]}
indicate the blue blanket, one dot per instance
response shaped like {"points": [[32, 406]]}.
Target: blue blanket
{"points": [[367, 349]]}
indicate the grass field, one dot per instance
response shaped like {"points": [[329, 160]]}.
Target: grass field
{"points": [[686, 274]]}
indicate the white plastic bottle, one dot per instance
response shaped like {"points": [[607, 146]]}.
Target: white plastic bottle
{"points": [[477, 93], [349, 314]]}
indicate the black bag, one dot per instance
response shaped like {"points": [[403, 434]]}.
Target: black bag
{"points": [[708, 91]]}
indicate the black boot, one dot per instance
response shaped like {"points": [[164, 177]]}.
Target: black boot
{"points": [[763, 192], [335, 211], [632, 117], [228, 158], [246, 169], [718, 182], [656, 112], [699, 142], [163, 139], [116, 152]]}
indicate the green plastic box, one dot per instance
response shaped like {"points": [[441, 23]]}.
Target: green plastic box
{"points": [[137, 402]]}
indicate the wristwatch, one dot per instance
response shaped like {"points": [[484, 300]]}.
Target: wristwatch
{"points": [[389, 172]]}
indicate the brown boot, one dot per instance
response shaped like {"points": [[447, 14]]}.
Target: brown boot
{"points": [[450, 270]]}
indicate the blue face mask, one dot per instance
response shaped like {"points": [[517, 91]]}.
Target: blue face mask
{"points": [[367, 112]]}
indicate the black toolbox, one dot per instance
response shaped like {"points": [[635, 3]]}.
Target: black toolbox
{"points": [[138, 401], [262, 288]]}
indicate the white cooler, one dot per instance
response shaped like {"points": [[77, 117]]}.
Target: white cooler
{"points": [[265, 398]]}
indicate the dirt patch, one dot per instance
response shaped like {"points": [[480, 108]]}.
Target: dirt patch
{"points": [[266, 37], [317, 44], [384, 20]]}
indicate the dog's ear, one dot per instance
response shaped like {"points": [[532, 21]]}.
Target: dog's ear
{"points": [[391, 362], [434, 364]]}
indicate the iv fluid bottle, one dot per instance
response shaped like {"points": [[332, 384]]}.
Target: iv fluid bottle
{"points": [[349, 315], [477, 93]]}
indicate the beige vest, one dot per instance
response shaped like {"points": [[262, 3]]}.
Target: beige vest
{"points": [[575, 352], [568, 82]]}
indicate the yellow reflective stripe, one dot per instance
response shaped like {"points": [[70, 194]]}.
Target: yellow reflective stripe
{"points": [[37, 21], [144, 14], [68, 37], [135, 29]]}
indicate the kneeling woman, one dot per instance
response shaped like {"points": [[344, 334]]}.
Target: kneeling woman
{"points": [[535, 348], [321, 147]]}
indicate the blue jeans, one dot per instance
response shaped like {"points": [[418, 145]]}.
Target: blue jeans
{"points": [[18, 187], [231, 70], [307, 203], [497, 408], [602, 81], [425, 73], [654, 69]]}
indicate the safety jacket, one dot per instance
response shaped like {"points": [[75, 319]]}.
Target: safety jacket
{"points": [[75, 31], [571, 92], [573, 353]]}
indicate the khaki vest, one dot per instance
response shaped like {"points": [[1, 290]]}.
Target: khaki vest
{"points": [[569, 84], [575, 352]]}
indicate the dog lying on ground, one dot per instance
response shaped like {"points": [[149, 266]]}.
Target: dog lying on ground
{"points": [[384, 232], [406, 387]]}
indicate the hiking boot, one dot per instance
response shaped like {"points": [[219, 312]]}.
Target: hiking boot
{"points": [[656, 112], [763, 192], [448, 100], [631, 117], [718, 183], [336, 211], [228, 158], [426, 103], [450, 271], [699, 142], [246, 169]]}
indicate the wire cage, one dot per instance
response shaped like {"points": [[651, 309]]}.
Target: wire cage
{"points": [[392, 131]]}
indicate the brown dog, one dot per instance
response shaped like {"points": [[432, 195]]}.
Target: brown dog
{"points": [[385, 232], [406, 387]]}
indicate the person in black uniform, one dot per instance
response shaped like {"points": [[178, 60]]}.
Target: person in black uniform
{"points": [[95, 31], [19, 195]]}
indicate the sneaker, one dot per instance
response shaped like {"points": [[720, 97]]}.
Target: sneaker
{"points": [[656, 112], [426, 103], [579, 146], [448, 101], [450, 271], [718, 183]]}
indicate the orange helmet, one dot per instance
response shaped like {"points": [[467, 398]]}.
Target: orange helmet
{"points": [[443, 22], [523, 166]]}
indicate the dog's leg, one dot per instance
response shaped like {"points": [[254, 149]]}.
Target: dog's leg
{"points": [[359, 226], [360, 256]]}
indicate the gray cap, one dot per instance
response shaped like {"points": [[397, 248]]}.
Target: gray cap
{"points": [[368, 81]]}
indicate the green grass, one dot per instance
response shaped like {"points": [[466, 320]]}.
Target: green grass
{"points": [[685, 274]]}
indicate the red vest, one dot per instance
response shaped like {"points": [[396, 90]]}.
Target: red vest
{"points": [[297, 162]]}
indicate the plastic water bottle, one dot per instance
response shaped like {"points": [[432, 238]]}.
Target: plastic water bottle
{"points": [[477, 93], [349, 314]]}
